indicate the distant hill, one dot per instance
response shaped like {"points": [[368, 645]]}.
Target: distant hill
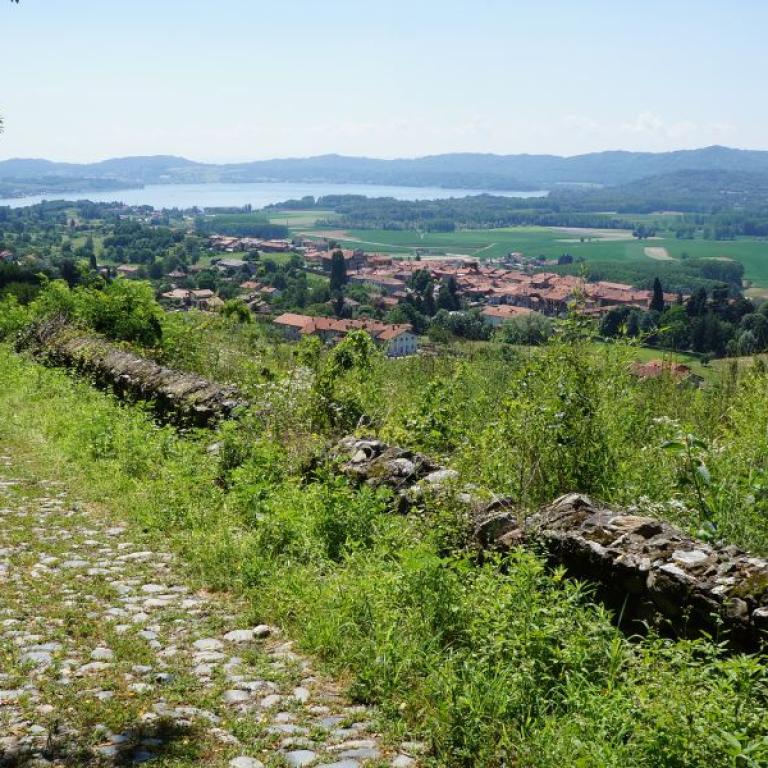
{"points": [[468, 170], [685, 190]]}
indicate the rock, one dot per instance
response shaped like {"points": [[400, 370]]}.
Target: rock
{"points": [[340, 764], [102, 654], [301, 694], [495, 529], [263, 631], [245, 762], [330, 722], [240, 636], [270, 701], [236, 697], [760, 617], [37, 658], [356, 744], [690, 558], [363, 753], [403, 761], [208, 644], [94, 666], [7, 697], [441, 477], [300, 757]]}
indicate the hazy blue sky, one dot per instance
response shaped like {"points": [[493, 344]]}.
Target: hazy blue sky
{"points": [[244, 79]]}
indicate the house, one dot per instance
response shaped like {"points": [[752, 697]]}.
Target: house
{"points": [[655, 369], [129, 271], [398, 341], [275, 246], [178, 298], [231, 267], [498, 315], [214, 304], [353, 260], [395, 340], [223, 243], [387, 285], [181, 298]]}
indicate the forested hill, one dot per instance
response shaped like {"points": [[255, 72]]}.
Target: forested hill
{"points": [[688, 190], [475, 171]]}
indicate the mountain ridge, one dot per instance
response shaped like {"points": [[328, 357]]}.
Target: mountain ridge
{"points": [[462, 169]]}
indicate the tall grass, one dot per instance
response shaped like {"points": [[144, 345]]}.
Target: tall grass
{"points": [[492, 665]]}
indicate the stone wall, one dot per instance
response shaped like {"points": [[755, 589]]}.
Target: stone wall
{"points": [[647, 570], [183, 398]]}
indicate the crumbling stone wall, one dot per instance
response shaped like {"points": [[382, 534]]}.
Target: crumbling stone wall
{"points": [[647, 569], [183, 398]]}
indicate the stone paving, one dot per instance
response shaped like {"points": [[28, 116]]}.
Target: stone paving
{"points": [[109, 657]]}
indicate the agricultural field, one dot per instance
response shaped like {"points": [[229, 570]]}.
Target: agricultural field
{"points": [[296, 219], [596, 245]]}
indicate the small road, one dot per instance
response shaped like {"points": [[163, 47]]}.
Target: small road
{"points": [[109, 656]]}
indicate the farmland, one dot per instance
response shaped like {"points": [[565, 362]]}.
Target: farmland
{"points": [[548, 242]]}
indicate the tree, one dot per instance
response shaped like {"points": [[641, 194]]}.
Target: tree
{"points": [[675, 330], [338, 271], [657, 300], [697, 304], [237, 310], [338, 304], [447, 296], [757, 324]]}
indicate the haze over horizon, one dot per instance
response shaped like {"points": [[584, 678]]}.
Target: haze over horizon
{"points": [[231, 82]]}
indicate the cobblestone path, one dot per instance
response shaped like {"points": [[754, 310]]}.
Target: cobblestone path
{"points": [[107, 657]]}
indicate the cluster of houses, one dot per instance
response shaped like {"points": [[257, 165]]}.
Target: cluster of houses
{"points": [[489, 285], [227, 244], [183, 298], [395, 340]]}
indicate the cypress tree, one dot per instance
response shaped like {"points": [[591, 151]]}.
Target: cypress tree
{"points": [[657, 301], [338, 271]]}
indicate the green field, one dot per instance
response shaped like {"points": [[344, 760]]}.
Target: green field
{"points": [[552, 243], [296, 219]]}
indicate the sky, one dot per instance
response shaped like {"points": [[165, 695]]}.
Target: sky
{"points": [[236, 80]]}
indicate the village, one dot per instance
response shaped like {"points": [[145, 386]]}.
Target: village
{"points": [[498, 290]]}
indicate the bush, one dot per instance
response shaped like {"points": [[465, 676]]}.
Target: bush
{"points": [[528, 330], [122, 310]]}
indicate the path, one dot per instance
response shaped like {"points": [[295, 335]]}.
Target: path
{"points": [[107, 657]]}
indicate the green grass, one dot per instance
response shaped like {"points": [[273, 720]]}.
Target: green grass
{"points": [[299, 219], [492, 666]]}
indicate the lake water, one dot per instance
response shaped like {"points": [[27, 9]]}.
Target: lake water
{"points": [[257, 194]]}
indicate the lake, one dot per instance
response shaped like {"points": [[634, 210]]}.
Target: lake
{"points": [[258, 194]]}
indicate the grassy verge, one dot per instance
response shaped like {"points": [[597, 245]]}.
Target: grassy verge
{"points": [[512, 666]]}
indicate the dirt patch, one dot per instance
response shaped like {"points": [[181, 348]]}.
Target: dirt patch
{"points": [[577, 233], [332, 234], [756, 293], [660, 254]]}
